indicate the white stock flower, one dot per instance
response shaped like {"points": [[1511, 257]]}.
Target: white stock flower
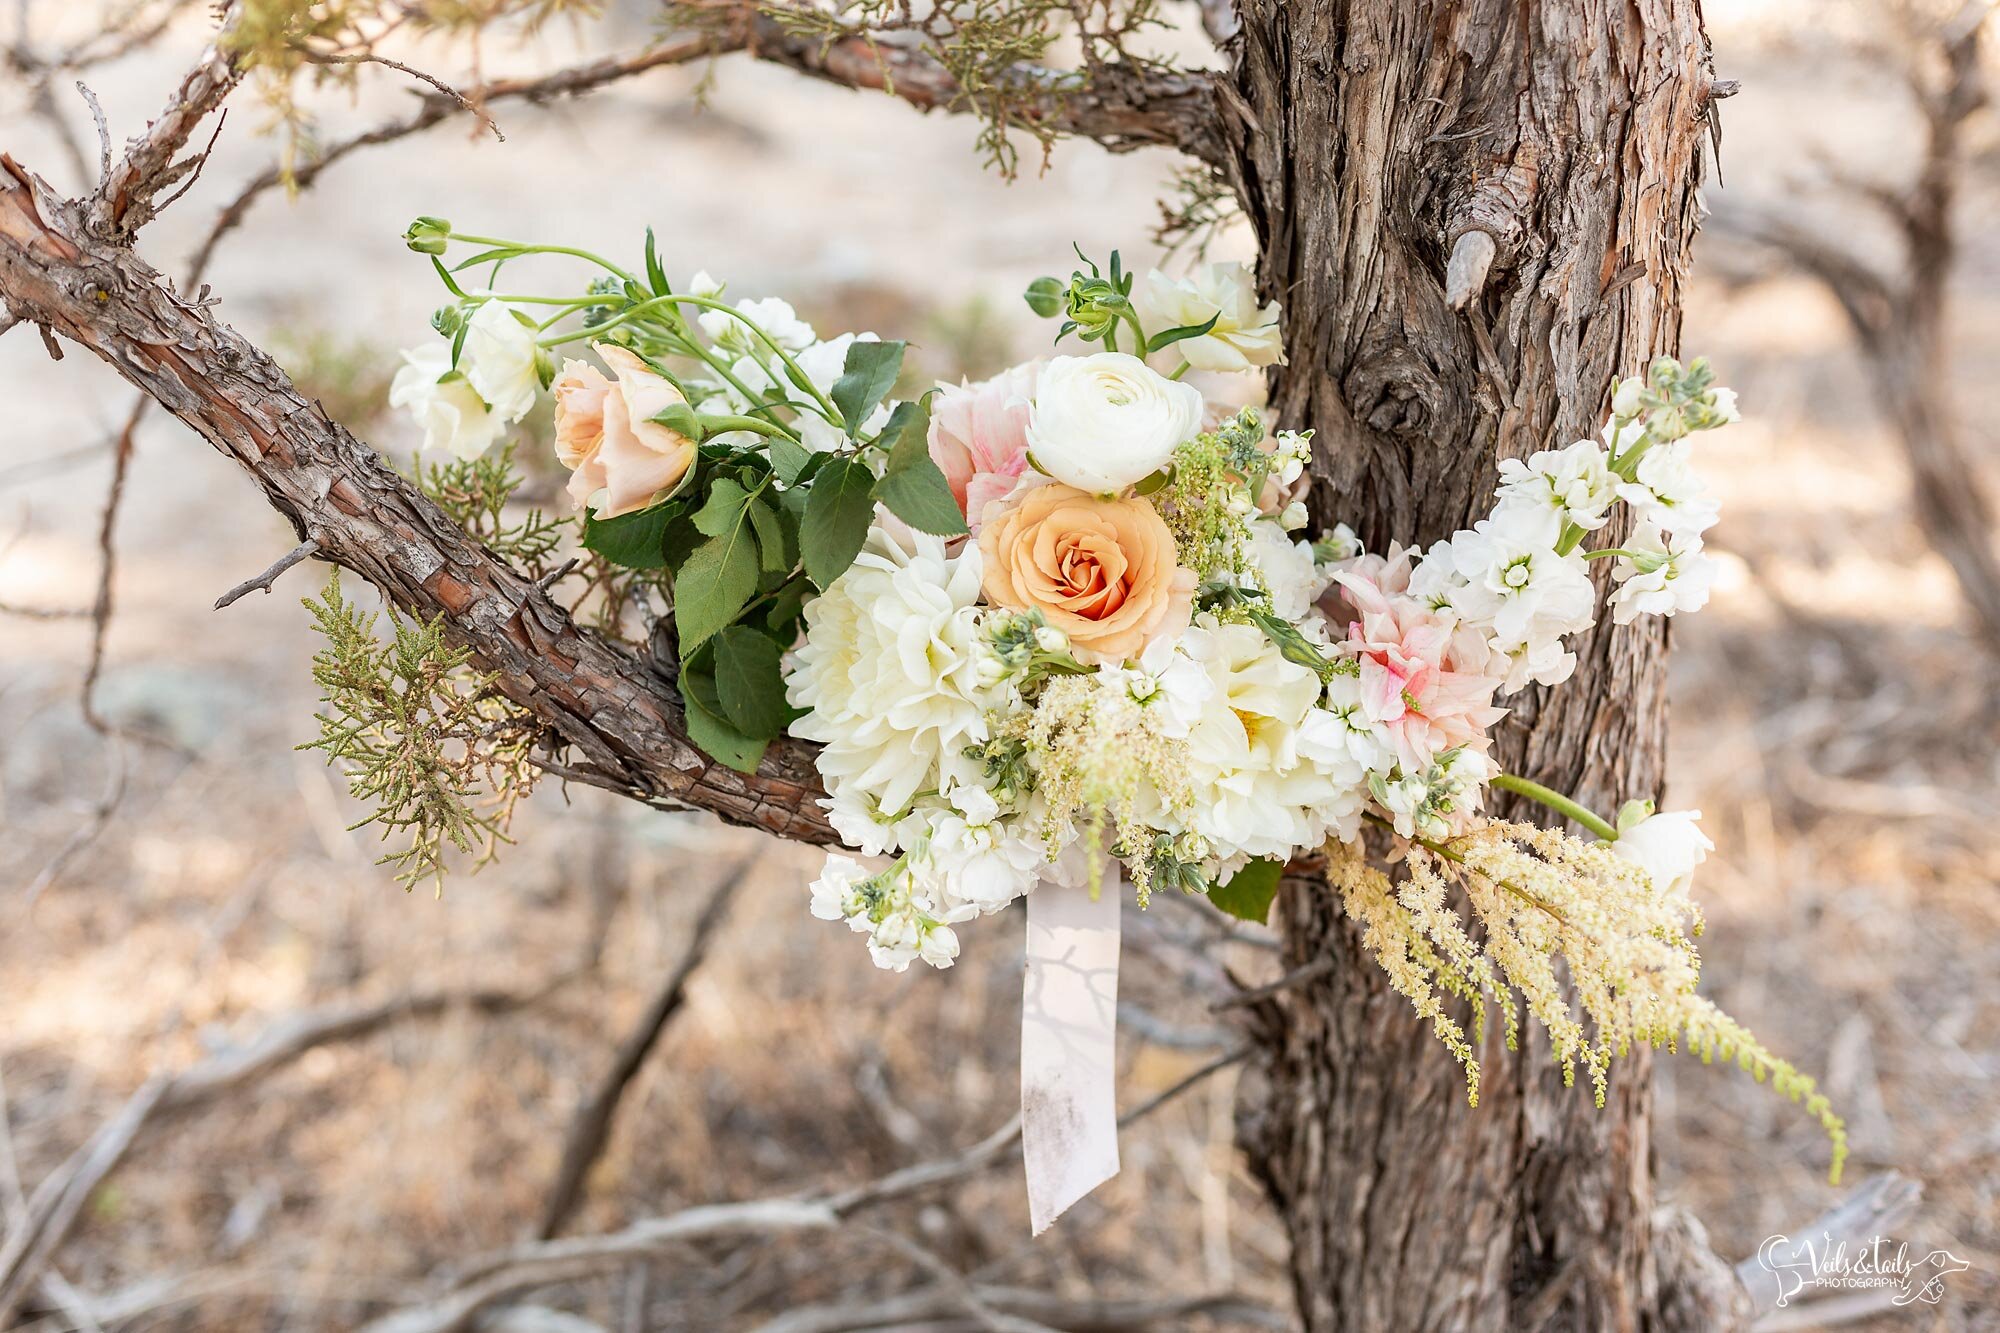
{"points": [[499, 359], [1664, 574], [984, 864], [1574, 484], [836, 894], [1665, 491], [1667, 846], [454, 418], [1339, 733], [1167, 683], [1102, 422], [889, 671], [1525, 596], [1625, 399], [1244, 336], [703, 285]]}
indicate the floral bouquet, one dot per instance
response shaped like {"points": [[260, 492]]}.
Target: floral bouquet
{"points": [[1067, 630]]}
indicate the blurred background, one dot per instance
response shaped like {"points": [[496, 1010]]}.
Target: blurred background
{"points": [[174, 893]]}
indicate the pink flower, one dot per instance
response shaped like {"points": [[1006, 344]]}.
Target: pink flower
{"points": [[1422, 694], [620, 458], [979, 437]]}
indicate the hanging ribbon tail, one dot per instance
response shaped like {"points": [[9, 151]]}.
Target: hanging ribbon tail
{"points": [[1069, 1016]]}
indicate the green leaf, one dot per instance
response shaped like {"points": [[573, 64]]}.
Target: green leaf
{"points": [[1248, 894], [1168, 337], [1154, 481], [1044, 296], [869, 373], [655, 275], [779, 555], [488, 257], [636, 541], [783, 616], [708, 729], [911, 484], [838, 511], [789, 458], [723, 512], [712, 586], [748, 682]]}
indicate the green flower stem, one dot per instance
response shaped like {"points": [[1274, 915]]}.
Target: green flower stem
{"points": [[1568, 541], [1609, 551], [1559, 803], [586, 255], [758, 425], [799, 378]]}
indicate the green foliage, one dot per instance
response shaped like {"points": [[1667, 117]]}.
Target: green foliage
{"points": [[993, 50], [867, 376], [476, 492], [420, 736], [1249, 892], [912, 486], [837, 515]]}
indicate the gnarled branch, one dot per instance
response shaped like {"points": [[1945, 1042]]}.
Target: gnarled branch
{"points": [[593, 695]]}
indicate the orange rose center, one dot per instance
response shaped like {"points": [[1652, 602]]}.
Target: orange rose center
{"points": [[1081, 569]]}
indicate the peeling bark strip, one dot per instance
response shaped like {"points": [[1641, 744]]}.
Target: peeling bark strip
{"points": [[1567, 136], [592, 694]]}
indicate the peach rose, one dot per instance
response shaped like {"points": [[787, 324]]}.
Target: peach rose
{"points": [[619, 459], [1103, 571]]}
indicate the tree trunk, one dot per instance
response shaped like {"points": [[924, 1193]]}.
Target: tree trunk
{"points": [[1567, 134]]}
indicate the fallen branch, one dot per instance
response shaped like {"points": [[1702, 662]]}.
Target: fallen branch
{"points": [[938, 1307], [591, 1127], [59, 1200], [542, 1263]]}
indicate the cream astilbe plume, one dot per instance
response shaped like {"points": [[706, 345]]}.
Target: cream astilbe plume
{"points": [[1629, 966]]}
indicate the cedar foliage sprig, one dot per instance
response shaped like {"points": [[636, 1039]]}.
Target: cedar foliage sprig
{"points": [[421, 737]]}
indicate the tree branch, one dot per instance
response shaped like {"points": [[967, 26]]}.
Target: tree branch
{"points": [[590, 693]]}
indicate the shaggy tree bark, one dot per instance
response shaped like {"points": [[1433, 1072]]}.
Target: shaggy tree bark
{"points": [[1478, 213]]}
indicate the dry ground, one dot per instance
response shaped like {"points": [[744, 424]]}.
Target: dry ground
{"points": [[1832, 717]]}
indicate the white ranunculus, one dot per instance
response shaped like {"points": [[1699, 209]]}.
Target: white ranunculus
{"points": [[1100, 423], [1667, 846], [1245, 336], [499, 359], [454, 418], [889, 671]]}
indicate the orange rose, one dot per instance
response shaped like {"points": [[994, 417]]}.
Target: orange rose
{"points": [[620, 459], [1102, 571]]}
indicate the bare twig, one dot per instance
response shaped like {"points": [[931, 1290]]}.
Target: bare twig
{"points": [[370, 58], [103, 130], [499, 1276], [59, 1200], [591, 1127], [934, 1308], [1298, 976], [263, 581]]}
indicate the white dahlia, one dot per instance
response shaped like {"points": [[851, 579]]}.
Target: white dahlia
{"points": [[889, 670]]}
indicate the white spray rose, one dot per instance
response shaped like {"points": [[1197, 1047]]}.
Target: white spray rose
{"points": [[454, 418], [499, 359], [1100, 423], [1667, 846], [1244, 336]]}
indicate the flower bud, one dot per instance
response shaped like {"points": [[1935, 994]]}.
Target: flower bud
{"points": [[428, 236]]}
